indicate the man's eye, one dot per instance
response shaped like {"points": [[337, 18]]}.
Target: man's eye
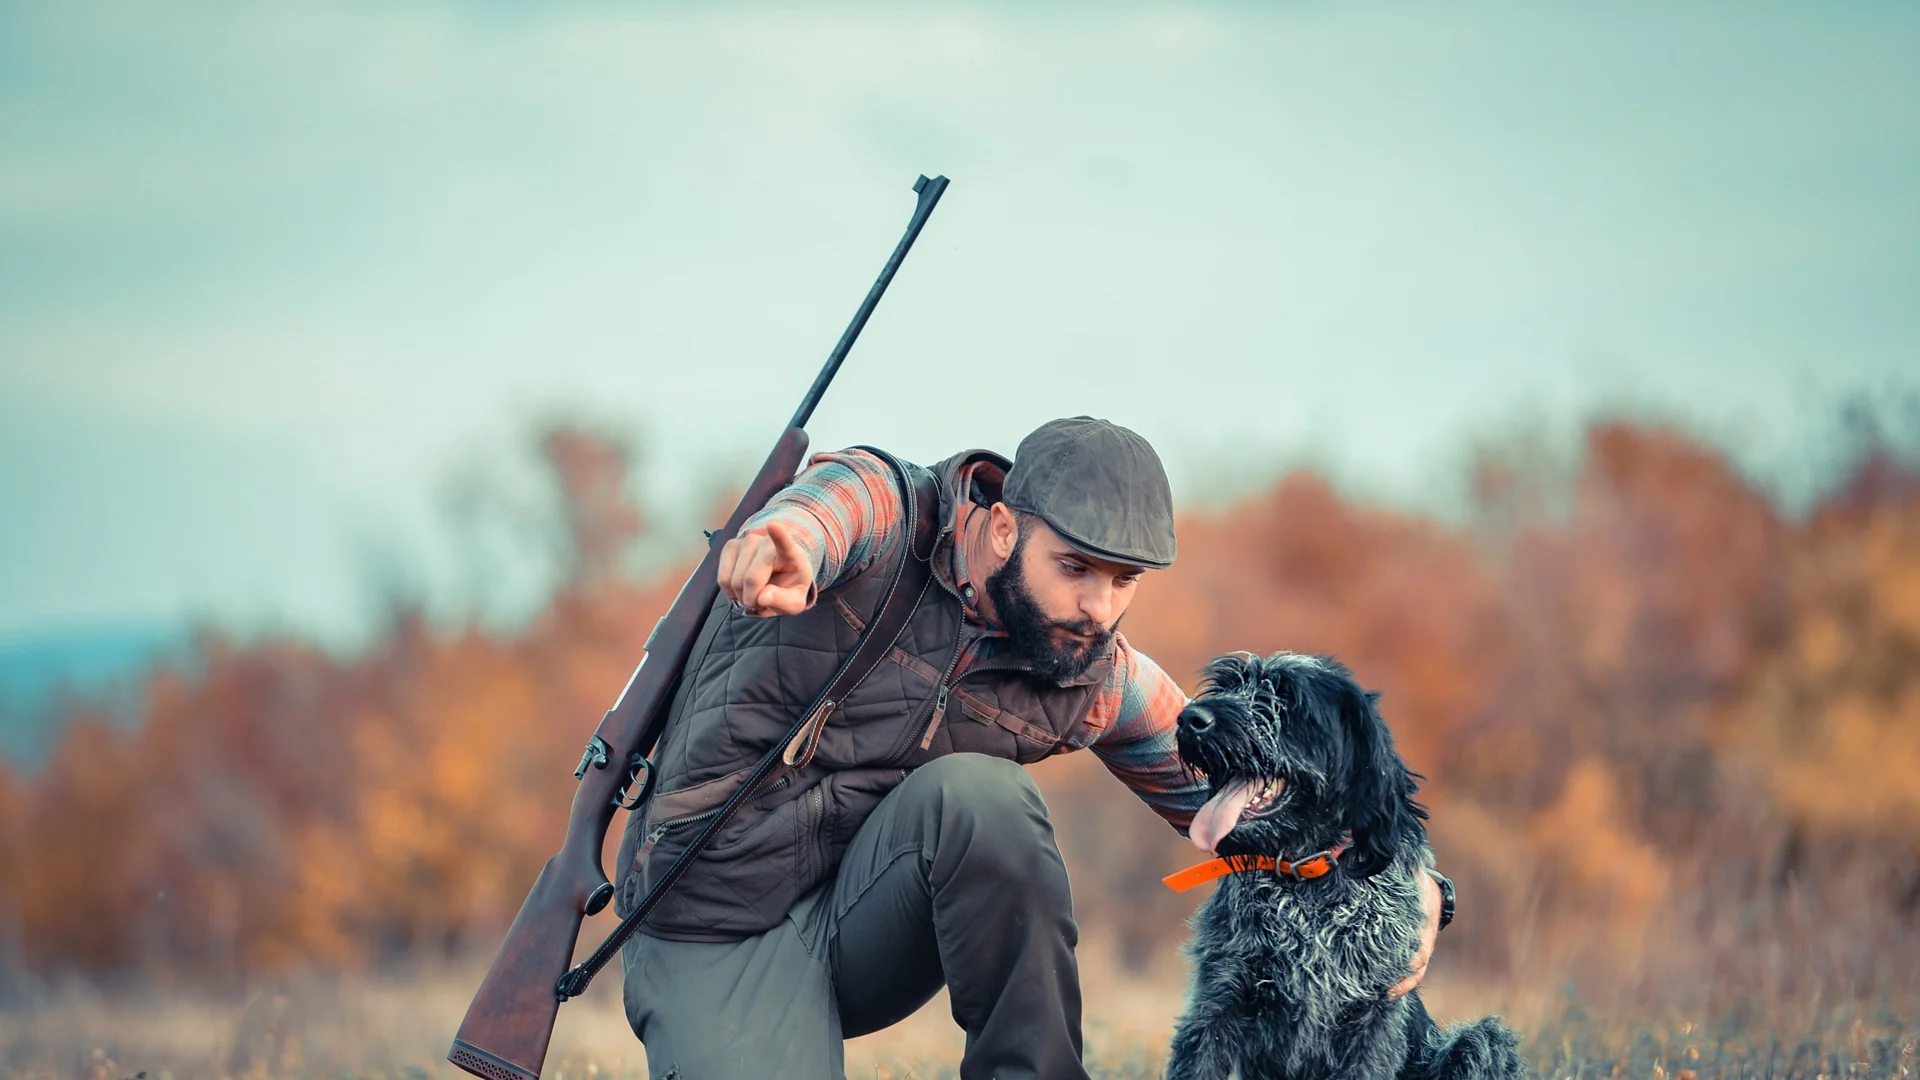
{"points": [[1073, 569]]}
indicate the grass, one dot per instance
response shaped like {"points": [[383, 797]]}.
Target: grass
{"points": [[1842, 1041], [397, 1029]]}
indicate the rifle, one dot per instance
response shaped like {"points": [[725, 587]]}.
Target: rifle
{"points": [[510, 1021]]}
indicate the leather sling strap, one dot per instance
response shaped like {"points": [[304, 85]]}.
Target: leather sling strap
{"points": [[920, 501]]}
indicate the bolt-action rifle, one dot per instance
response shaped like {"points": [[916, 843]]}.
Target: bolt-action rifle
{"points": [[508, 1025]]}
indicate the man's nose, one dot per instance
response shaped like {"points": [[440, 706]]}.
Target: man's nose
{"points": [[1195, 719], [1097, 604]]}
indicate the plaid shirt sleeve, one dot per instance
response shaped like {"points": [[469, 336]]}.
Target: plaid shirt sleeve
{"points": [[1135, 713], [845, 510]]}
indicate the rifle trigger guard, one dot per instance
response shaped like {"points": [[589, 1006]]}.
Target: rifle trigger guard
{"points": [[595, 755], [635, 767]]}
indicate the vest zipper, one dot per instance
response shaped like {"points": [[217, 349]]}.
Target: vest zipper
{"points": [[661, 829], [923, 735], [817, 802], [933, 722]]}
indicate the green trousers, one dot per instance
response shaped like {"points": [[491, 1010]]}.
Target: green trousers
{"points": [[955, 881]]}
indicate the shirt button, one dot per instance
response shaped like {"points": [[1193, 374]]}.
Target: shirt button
{"points": [[967, 591]]}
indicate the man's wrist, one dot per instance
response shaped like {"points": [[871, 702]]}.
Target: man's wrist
{"points": [[1446, 896]]}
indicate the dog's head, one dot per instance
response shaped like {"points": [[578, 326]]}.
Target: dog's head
{"points": [[1297, 756]]}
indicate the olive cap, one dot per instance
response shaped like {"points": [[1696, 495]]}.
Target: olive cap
{"points": [[1098, 485]]}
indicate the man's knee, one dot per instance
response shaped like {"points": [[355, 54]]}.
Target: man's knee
{"points": [[987, 790], [990, 818]]}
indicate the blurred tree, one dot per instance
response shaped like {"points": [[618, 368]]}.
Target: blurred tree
{"points": [[1671, 735]]}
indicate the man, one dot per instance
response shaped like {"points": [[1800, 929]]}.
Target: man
{"points": [[911, 851]]}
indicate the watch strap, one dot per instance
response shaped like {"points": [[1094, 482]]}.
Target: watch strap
{"points": [[1446, 896]]}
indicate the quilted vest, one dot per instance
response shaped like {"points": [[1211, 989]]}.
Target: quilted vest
{"points": [[747, 681]]}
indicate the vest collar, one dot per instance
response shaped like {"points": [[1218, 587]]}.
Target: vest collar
{"points": [[957, 476]]}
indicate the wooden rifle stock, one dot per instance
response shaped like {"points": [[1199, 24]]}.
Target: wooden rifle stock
{"points": [[510, 1021], [505, 1033]]}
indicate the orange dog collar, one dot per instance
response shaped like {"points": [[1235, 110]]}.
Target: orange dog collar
{"points": [[1317, 865]]}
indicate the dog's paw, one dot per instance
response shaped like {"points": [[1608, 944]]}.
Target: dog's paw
{"points": [[1481, 1050]]}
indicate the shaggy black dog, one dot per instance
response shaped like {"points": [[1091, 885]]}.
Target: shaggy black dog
{"points": [[1291, 972]]}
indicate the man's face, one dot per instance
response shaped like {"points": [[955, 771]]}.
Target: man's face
{"points": [[1058, 605]]}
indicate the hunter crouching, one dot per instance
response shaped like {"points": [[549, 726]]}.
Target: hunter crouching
{"points": [[909, 850]]}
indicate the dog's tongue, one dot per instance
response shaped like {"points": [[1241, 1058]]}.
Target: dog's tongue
{"points": [[1216, 819]]}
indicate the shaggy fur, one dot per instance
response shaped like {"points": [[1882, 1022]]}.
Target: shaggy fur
{"points": [[1291, 976]]}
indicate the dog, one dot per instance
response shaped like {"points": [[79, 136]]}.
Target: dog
{"points": [[1320, 913]]}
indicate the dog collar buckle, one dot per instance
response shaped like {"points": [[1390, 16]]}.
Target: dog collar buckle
{"points": [[1317, 865]]}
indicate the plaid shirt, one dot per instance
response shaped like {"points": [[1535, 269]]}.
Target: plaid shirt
{"points": [[846, 513]]}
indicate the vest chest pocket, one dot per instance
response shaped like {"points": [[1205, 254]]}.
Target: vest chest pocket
{"points": [[1031, 741]]}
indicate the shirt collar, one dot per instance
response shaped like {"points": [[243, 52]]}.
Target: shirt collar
{"points": [[977, 487]]}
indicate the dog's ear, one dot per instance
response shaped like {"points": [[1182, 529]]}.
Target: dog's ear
{"points": [[1386, 820], [1229, 672]]}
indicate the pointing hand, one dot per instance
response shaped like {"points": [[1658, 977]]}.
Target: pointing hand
{"points": [[767, 572]]}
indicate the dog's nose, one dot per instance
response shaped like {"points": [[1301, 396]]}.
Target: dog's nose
{"points": [[1195, 719]]}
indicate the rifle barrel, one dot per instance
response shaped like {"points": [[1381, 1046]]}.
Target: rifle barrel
{"points": [[929, 191]]}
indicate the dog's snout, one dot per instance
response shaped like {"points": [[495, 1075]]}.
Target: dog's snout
{"points": [[1195, 719]]}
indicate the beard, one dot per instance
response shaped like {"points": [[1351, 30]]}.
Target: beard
{"points": [[1033, 634]]}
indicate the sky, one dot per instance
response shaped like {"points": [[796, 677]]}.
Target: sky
{"points": [[287, 288]]}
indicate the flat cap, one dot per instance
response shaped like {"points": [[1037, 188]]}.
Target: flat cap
{"points": [[1098, 485]]}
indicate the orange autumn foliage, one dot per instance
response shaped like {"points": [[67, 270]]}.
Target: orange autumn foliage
{"points": [[1670, 733]]}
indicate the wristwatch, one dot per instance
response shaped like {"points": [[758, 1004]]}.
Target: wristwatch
{"points": [[1446, 897]]}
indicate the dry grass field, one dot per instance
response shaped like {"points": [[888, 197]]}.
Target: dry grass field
{"points": [[397, 1029]]}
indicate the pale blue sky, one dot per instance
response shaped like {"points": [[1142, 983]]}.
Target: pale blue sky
{"points": [[277, 278]]}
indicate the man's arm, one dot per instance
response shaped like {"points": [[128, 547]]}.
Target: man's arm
{"points": [[1136, 713], [841, 514]]}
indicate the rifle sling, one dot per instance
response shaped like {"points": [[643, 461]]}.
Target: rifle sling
{"points": [[911, 576]]}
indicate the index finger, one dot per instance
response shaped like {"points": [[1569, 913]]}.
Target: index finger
{"points": [[785, 545]]}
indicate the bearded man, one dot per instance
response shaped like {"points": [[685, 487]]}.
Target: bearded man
{"points": [[912, 851]]}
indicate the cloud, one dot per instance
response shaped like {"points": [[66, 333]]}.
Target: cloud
{"points": [[365, 235]]}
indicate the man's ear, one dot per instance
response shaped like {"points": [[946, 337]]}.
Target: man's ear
{"points": [[1003, 530]]}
